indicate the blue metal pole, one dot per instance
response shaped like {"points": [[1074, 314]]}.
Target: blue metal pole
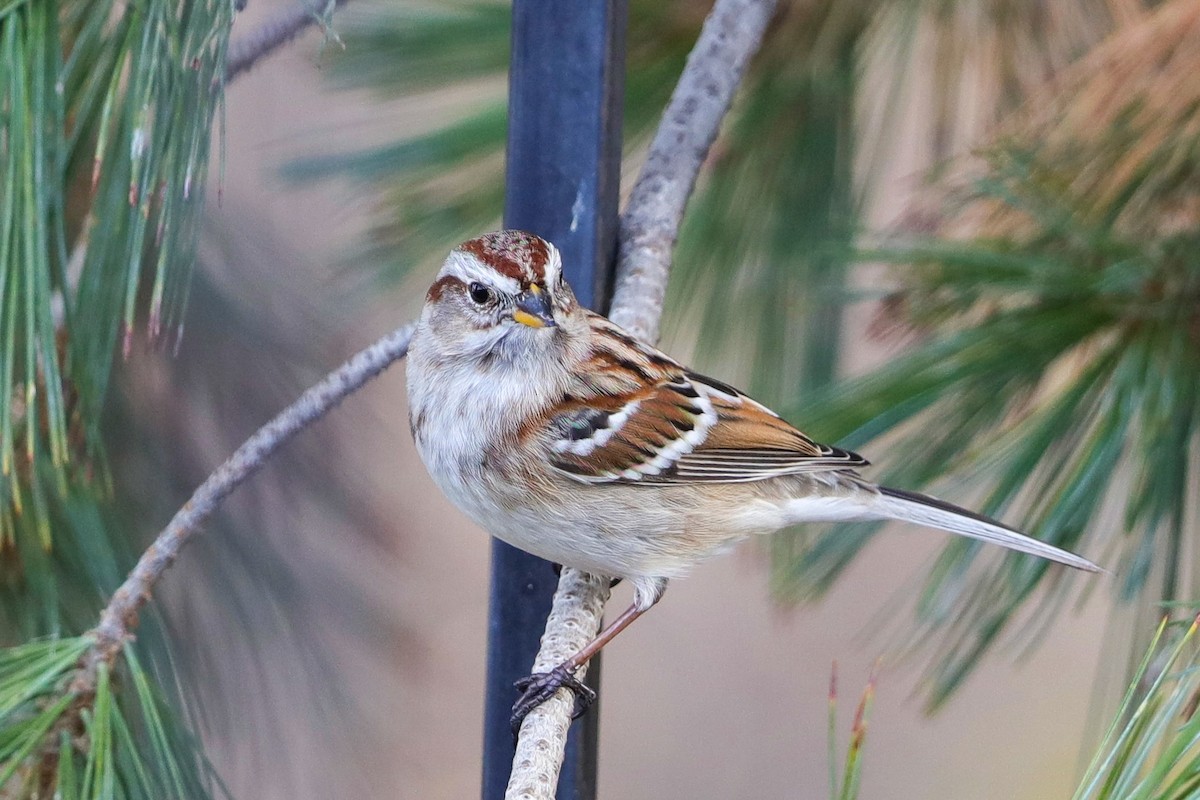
{"points": [[566, 84]]}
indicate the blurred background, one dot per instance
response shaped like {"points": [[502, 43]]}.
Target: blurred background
{"points": [[959, 237]]}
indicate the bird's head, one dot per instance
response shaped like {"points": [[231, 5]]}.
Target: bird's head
{"points": [[502, 295]]}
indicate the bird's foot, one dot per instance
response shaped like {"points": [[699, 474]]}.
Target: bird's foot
{"points": [[541, 686]]}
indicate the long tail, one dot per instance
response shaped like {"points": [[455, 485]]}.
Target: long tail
{"points": [[925, 510]]}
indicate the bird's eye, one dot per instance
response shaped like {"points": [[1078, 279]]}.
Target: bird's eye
{"points": [[480, 294]]}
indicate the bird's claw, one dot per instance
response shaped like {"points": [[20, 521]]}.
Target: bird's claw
{"points": [[541, 686]]}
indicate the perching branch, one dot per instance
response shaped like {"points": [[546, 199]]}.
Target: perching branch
{"points": [[120, 616], [574, 619], [245, 52], [649, 227]]}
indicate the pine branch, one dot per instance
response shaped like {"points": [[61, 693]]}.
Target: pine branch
{"points": [[731, 35], [574, 619], [120, 616], [649, 227], [273, 34]]}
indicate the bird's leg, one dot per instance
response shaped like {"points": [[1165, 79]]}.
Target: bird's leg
{"points": [[541, 686]]}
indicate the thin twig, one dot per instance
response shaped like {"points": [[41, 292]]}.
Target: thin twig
{"points": [[245, 52], [649, 227], [120, 615]]}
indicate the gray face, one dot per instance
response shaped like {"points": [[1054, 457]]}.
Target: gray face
{"points": [[501, 296]]}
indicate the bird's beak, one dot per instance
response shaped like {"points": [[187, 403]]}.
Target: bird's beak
{"points": [[533, 309]]}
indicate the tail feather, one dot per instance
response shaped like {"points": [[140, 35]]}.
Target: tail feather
{"points": [[925, 510]]}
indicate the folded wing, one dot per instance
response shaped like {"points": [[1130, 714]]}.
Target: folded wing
{"points": [[679, 427]]}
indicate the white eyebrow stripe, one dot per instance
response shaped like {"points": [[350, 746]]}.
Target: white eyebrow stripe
{"points": [[553, 266], [468, 269]]}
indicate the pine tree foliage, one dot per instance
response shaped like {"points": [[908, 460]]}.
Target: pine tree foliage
{"points": [[1152, 747], [115, 741], [108, 108], [1056, 364]]}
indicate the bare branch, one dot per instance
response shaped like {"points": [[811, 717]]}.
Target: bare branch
{"points": [[120, 616], [245, 52], [649, 227], [573, 622]]}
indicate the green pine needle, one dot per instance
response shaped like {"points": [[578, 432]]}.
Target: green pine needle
{"points": [[108, 112], [846, 788], [1048, 366], [120, 742], [1152, 748]]}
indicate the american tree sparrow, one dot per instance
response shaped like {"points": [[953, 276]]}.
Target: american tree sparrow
{"points": [[561, 434]]}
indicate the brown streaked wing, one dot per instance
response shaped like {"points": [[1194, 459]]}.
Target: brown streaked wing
{"points": [[600, 441], [685, 429], [747, 466], [749, 443]]}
